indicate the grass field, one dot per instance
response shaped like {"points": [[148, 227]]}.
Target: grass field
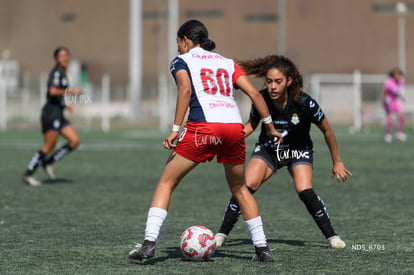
{"points": [[87, 223]]}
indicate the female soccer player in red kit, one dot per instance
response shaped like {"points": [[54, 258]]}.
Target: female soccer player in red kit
{"points": [[205, 83]]}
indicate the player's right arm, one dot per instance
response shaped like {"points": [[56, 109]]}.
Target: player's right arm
{"points": [[183, 101]]}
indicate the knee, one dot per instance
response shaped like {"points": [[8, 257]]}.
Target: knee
{"points": [[253, 185], [74, 143], [47, 148], [241, 193]]}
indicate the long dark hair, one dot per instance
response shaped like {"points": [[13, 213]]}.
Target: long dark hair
{"points": [[260, 66], [197, 33]]}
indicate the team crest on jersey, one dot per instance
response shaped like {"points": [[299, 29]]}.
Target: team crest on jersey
{"points": [[295, 119], [64, 81]]}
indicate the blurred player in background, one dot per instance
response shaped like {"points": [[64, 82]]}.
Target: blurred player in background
{"points": [[292, 113], [393, 88], [205, 83], [53, 121]]}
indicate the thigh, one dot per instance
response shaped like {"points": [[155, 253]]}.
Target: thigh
{"points": [[50, 138], [302, 177], [176, 168], [236, 182], [257, 172], [70, 133]]}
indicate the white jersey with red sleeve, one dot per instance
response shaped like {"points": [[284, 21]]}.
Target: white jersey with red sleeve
{"points": [[212, 79]]}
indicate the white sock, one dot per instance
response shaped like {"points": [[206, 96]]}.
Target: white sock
{"points": [[156, 216], [257, 234]]}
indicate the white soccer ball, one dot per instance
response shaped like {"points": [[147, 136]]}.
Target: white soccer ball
{"points": [[197, 243]]}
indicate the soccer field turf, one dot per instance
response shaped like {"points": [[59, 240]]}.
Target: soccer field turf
{"points": [[88, 221]]}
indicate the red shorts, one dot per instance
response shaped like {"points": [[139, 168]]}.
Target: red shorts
{"points": [[201, 141]]}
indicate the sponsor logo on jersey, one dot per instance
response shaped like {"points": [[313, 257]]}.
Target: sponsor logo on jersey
{"points": [[207, 56], [221, 104], [311, 104], [295, 119], [65, 81], [233, 207], [318, 114]]}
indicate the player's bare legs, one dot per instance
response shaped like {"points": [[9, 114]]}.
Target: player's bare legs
{"points": [[70, 134], [257, 172], [302, 178], [236, 182], [50, 139], [250, 211], [175, 169]]}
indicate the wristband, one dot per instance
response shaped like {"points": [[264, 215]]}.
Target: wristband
{"points": [[267, 120], [175, 128]]}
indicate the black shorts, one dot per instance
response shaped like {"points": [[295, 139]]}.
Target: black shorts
{"points": [[52, 119], [279, 158]]}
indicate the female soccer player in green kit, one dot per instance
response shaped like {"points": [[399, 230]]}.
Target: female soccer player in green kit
{"points": [[292, 113], [53, 121]]}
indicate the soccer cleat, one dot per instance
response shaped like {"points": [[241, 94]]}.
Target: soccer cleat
{"points": [[50, 171], [220, 239], [336, 242], [388, 138], [263, 254], [401, 136], [30, 180], [142, 251]]}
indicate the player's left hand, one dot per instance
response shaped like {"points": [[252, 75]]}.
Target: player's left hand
{"points": [[168, 142], [275, 135], [340, 172]]}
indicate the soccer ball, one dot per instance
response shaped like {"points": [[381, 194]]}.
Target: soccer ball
{"points": [[197, 243]]}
